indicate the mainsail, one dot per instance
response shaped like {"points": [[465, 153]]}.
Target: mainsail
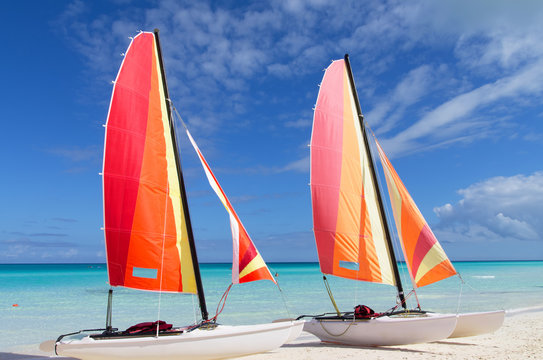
{"points": [[348, 225], [425, 258], [145, 225], [247, 265]]}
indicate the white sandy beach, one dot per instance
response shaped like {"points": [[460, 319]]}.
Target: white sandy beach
{"points": [[520, 337]]}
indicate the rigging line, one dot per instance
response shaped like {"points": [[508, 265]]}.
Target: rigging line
{"points": [[478, 291], [177, 114], [221, 304], [162, 256], [194, 309], [283, 296], [336, 335], [459, 296], [392, 309]]}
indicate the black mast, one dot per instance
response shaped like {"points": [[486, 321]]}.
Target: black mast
{"points": [[195, 264], [374, 177]]}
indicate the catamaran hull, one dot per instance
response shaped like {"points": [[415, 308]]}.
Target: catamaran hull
{"points": [[383, 331], [472, 324], [220, 343]]}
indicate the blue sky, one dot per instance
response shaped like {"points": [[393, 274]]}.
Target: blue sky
{"points": [[452, 89]]}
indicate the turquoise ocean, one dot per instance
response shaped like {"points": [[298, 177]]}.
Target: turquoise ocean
{"points": [[38, 302]]}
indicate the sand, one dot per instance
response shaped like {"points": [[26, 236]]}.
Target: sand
{"points": [[520, 337]]}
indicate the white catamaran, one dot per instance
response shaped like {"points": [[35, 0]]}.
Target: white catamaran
{"points": [[353, 236], [149, 238]]}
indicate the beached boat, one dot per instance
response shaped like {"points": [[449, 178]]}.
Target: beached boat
{"points": [[149, 237], [353, 236]]}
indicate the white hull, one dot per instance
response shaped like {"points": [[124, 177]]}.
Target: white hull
{"points": [[219, 343], [383, 331], [472, 324]]}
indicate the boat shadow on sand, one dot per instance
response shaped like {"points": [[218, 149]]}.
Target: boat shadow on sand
{"points": [[397, 348], [14, 356]]}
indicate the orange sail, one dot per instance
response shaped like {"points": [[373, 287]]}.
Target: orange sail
{"points": [[247, 264], [349, 229], [145, 224], [426, 259]]}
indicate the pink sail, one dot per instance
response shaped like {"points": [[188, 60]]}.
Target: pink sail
{"points": [[348, 227]]}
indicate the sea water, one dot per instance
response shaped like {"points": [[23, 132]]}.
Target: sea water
{"points": [[41, 302]]}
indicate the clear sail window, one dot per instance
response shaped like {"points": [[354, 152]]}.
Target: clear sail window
{"points": [[144, 273], [350, 265]]}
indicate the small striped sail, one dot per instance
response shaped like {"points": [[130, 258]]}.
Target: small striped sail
{"points": [[425, 258], [349, 230], [247, 264], [145, 225]]}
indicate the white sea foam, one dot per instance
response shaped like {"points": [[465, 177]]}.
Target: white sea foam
{"points": [[513, 312]]}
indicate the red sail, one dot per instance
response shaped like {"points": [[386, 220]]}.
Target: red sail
{"points": [[145, 230]]}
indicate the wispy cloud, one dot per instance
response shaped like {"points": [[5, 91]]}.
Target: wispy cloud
{"points": [[455, 117], [299, 123], [26, 242], [78, 159], [65, 220], [77, 154], [26, 247], [416, 84]]}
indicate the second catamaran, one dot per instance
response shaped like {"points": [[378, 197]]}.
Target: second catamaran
{"points": [[353, 236]]}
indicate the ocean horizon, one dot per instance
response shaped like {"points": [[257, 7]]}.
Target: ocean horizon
{"points": [[43, 301]]}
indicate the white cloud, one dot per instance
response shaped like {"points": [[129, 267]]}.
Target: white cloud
{"points": [[497, 209]]}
